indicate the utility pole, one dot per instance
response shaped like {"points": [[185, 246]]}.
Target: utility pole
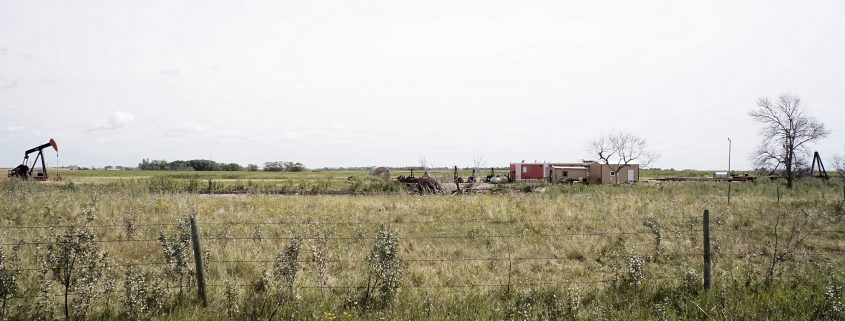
{"points": [[708, 267], [729, 170]]}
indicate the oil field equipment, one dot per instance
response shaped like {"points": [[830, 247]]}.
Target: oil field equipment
{"points": [[24, 170], [818, 166]]}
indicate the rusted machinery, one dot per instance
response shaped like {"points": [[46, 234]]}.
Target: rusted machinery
{"points": [[25, 169]]}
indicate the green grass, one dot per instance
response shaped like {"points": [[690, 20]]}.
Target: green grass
{"points": [[223, 182], [97, 175]]}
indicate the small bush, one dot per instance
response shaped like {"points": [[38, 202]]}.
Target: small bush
{"points": [[176, 251], [651, 223], [78, 266], [230, 293], [320, 257], [385, 268], [10, 270], [834, 309], [285, 267], [143, 295], [274, 288]]}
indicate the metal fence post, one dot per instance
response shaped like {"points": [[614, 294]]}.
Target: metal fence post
{"points": [[707, 266], [195, 239]]}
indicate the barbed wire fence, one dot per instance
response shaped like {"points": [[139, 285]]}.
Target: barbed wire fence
{"points": [[695, 231]]}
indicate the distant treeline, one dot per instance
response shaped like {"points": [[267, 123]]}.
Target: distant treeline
{"points": [[405, 168], [194, 164], [277, 166], [282, 166], [210, 165]]}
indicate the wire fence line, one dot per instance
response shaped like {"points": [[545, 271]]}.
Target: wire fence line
{"points": [[539, 258], [367, 222], [347, 238], [361, 237], [44, 227], [482, 259], [419, 237], [216, 240], [119, 265], [116, 290], [128, 240], [461, 286], [477, 259], [447, 222]]}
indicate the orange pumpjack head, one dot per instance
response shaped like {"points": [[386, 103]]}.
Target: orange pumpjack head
{"points": [[53, 143]]}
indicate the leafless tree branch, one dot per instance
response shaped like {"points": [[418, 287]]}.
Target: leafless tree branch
{"points": [[786, 132], [621, 149]]}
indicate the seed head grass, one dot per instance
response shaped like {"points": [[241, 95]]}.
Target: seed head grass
{"points": [[573, 252]]}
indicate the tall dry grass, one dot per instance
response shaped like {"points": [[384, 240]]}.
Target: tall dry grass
{"points": [[605, 250]]}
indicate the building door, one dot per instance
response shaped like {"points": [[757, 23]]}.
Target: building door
{"points": [[631, 176]]}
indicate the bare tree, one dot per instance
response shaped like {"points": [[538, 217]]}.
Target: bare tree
{"points": [[786, 132], [839, 164], [799, 227], [425, 165], [618, 150], [477, 162]]}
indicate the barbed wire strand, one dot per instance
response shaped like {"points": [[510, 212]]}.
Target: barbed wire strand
{"points": [[450, 222]]}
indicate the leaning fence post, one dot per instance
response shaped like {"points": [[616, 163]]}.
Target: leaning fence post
{"points": [[707, 266], [195, 239]]}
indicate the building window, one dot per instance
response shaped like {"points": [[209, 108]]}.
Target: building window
{"points": [[525, 169], [612, 173], [565, 173]]}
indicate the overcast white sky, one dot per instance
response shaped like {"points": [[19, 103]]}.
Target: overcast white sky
{"points": [[354, 83]]}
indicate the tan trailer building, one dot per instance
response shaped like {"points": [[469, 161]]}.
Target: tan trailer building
{"points": [[607, 174]]}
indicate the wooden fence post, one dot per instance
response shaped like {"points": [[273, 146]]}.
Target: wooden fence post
{"points": [[707, 266], [729, 188], [195, 239], [509, 270]]}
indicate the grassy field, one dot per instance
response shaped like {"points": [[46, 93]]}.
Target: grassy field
{"points": [[121, 245], [99, 176], [300, 183]]}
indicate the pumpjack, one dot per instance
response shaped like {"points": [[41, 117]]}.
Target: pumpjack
{"points": [[24, 170]]}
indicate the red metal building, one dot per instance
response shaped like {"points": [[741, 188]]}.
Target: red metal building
{"points": [[536, 171]]}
